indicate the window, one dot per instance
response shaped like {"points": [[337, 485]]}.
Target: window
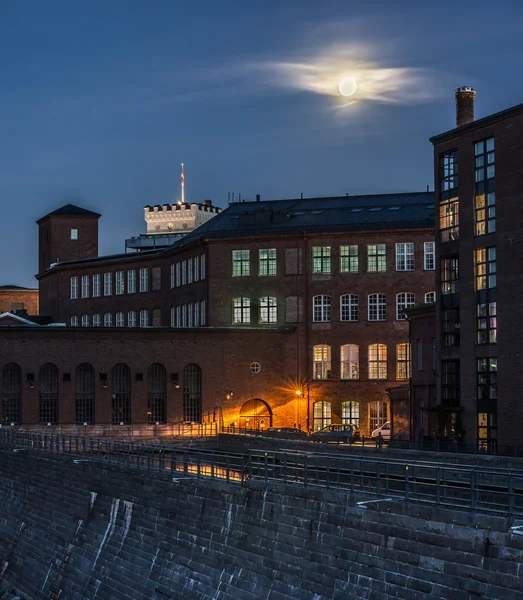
{"points": [[377, 307], [376, 258], [449, 266], [322, 362], [485, 268], [96, 285], [189, 270], [487, 374], [144, 318], [403, 301], [449, 203], [403, 361], [378, 414], [74, 234], [349, 308], [202, 266], [349, 259], [430, 297], [119, 286], [241, 310], [321, 413], [85, 320], [429, 256], [144, 279], [178, 277], [268, 310], [108, 320], [241, 263], [321, 260], [173, 317], [97, 320], [121, 394], [321, 309], [419, 355], [108, 284], [84, 393], [449, 219], [450, 327], [184, 272], [350, 413], [485, 191], [131, 282], [86, 284], [192, 394], [488, 430], [377, 361], [178, 316], [131, 318], [120, 319], [184, 315], [450, 383], [350, 361], [203, 313], [48, 379], [171, 275], [267, 262], [448, 171], [189, 314], [156, 393], [12, 393], [405, 257], [487, 324], [196, 268], [74, 288], [74, 321], [196, 314]]}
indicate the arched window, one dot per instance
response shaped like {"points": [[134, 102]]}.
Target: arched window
{"points": [[48, 380], [322, 361], [192, 393], [377, 307], [350, 361], [377, 414], [430, 297], [377, 361], [268, 310], [74, 321], [144, 318], [121, 393], [12, 393], [97, 320], [255, 414], [349, 308], [241, 310], [84, 393], [321, 412], [120, 319], [403, 301], [108, 320], [321, 308], [156, 378], [350, 413], [131, 318], [403, 361], [85, 320]]}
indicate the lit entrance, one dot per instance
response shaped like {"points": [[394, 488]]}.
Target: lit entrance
{"points": [[255, 414]]}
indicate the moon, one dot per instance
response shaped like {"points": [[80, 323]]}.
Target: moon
{"points": [[348, 86]]}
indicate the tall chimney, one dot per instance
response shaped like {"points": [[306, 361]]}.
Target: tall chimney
{"points": [[464, 105]]}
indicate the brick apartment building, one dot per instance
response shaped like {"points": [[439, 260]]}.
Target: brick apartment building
{"points": [[278, 313], [14, 298], [479, 195]]}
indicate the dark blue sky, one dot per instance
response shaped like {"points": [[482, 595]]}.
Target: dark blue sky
{"points": [[102, 99]]}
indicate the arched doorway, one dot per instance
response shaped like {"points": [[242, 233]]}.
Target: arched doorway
{"points": [[255, 414]]}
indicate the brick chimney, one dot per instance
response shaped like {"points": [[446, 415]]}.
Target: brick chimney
{"points": [[464, 105]]}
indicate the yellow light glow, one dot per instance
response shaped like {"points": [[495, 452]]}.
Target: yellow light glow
{"points": [[348, 86], [298, 392]]}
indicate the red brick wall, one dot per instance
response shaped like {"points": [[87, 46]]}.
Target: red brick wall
{"points": [[10, 299]]}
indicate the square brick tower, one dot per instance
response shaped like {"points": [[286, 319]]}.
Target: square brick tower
{"points": [[68, 233]]}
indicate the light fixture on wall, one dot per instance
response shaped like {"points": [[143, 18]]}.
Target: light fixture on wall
{"points": [[229, 395]]}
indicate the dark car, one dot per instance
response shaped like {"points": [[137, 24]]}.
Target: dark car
{"points": [[290, 433], [337, 433]]}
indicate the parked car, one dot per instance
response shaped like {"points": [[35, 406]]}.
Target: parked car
{"points": [[290, 433], [385, 431], [337, 433]]}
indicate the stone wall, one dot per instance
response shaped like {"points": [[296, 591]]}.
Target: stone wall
{"points": [[82, 530]]}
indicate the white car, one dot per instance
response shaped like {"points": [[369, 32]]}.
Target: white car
{"points": [[385, 431]]}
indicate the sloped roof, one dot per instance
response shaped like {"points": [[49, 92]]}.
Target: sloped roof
{"points": [[71, 210], [16, 288], [7, 316]]}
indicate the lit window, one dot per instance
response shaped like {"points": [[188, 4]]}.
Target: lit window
{"points": [[376, 258], [377, 414], [74, 288], [241, 263], [74, 321], [321, 412], [267, 262], [350, 361], [119, 285], [429, 262], [484, 189], [350, 413], [377, 361], [321, 260], [241, 310], [403, 362], [449, 266], [321, 309], [405, 257], [120, 319], [430, 297], [377, 307], [268, 310], [485, 213], [144, 279], [85, 320], [322, 362], [349, 259], [108, 284], [74, 234], [488, 429], [349, 308], [86, 284], [487, 323], [97, 320], [131, 318], [485, 268], [108, 320], [144, 318], [96, 285], [403, 301], [131, 282]]}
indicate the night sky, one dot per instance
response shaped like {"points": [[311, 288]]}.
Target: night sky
{"points": [[101, 100]]}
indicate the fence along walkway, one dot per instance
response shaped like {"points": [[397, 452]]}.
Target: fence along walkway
{"points": [[471, 487]]}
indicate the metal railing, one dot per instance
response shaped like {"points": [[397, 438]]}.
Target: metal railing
{"points": [[467, 487], [483, 447]]}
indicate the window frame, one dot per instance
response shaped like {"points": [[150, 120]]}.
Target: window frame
{"points": [[241, 263], [377, 361], [267, 262], [405, 256], [404, 300], [321, 308], [377, 302], [429, 256], [349, 306], [322, 362], [321, 260], [241, 310], [268, 307], [403, 361], [349, 258], [376, 258], [349, 362]]}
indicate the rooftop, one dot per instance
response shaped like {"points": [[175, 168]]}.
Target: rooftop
{"points": [[17, 288], [70, 210]]}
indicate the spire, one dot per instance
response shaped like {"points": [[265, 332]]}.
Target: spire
{"points": [[183, 186]]}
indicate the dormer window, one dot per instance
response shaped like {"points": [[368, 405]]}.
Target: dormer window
{"points": [[74, 234]]}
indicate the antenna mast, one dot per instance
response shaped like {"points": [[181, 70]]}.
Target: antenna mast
{"points": [[183, 186]]}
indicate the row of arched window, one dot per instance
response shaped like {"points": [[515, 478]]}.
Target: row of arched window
{"points": [[350, 413], [84, 393], [121, 319], [350, 361]]}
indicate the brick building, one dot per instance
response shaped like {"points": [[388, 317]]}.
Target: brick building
{"points": [[479, 196], [14, 298], [313, 290]]}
